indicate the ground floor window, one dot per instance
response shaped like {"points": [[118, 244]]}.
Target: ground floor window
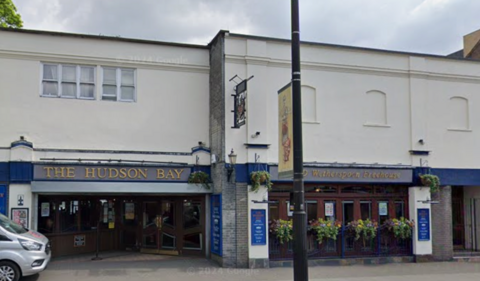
{"points": [[154, 224], [344, 204]]}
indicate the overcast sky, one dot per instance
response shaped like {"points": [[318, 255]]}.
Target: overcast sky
{"points": [[425, 26]]}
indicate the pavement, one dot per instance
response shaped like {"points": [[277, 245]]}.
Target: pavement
{"points": [[136, 267]]}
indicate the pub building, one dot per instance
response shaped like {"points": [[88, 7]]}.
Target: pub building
{"points": [[359, 105], [342, 194], [151, 209]]}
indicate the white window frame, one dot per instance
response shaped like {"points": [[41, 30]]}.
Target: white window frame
{"points": [[118, 83], [59, 81]]}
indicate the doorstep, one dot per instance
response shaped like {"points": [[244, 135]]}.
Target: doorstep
{"points": [[341, 262]]}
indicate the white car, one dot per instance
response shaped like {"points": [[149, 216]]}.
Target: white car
{"points": [[22, 252]]}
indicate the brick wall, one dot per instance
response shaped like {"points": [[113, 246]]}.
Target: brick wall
{"points": [[217, 146], [242, 225], [442, 237]]}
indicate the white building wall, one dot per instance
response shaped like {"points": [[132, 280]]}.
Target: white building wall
{"points": [[170, 114], [417, 91]]}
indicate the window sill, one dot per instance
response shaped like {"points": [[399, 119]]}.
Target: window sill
{"points": [[376, 125], [310, 122], [459, 130]]}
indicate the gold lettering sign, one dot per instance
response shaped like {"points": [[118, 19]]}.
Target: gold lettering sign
{"points": [[109, 173], [353, 175]]}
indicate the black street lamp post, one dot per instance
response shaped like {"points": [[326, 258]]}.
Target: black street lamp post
{"points": [[300, 262]]}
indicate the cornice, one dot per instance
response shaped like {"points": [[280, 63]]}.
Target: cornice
{"points": [[119, 62]]}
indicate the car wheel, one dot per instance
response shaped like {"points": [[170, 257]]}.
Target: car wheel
{"points": [[9, 271]]}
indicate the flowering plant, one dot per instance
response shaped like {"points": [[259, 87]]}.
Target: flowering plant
{"points": [[401, 228], [431, 181], [365, 228], [200, 177], [325, 229], [282, 229], [258, 178]]}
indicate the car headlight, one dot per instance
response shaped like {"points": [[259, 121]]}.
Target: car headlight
{"points": [[30, 245]]}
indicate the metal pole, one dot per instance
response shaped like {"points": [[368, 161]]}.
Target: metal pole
{"points": [[300, 262]]}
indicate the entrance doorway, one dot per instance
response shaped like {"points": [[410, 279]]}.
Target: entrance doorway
{"points": [[173, 226]]}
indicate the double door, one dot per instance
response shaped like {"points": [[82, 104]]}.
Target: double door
{"points": [[173, 226]]}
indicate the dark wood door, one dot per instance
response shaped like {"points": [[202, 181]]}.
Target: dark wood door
{"points": [[129, 226], [458, 218], [159, 226]]}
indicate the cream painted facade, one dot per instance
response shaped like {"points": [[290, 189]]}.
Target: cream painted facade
{"points": [[171, 87], [415, 103], [362, 108]]}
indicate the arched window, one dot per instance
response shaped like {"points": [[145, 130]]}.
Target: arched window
{"points": [[309, 104], [376, 108], [459, 113]]}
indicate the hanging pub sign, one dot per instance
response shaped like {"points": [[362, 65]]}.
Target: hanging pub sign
{"points": [[285, 133], [240, 112]]}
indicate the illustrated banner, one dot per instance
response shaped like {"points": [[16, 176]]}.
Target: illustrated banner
{"points": [[285, 133]]}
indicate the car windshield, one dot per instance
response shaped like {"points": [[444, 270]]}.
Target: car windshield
{"points": [[11, 226]]}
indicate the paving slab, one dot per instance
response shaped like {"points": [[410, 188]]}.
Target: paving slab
{"points": [[143, 267]]}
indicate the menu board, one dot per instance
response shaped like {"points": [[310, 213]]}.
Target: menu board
{"points": [[423, 224], [258, 227]]}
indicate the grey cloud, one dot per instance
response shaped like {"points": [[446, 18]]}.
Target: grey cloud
{"points": [[428, 26]]}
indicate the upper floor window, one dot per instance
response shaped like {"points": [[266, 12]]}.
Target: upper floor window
{"points": [[118, 84], [68, 81]]}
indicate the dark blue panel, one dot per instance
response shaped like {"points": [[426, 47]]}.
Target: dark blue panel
{"points": [[4, 171], [258, 227], [200, 148], [205, 169], [419, 152], [3, 200], [257, 146], [21, 172], [423, 224], [216, 225], [241, 173], [458, 176]]}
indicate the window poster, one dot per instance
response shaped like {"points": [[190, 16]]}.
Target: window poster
{"points": [[20, 216], [329, 209], [383, 208], [129, 211], [45, 209]]}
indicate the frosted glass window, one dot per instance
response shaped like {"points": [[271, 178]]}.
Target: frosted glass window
{"points": [[68, 81], [50, 72]]}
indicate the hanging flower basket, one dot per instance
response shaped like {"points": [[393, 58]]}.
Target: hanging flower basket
{"points": [[325, 229], [367, 229], [282, 230], [260, 178], [200, 177], [431, 181], [401, 228]]}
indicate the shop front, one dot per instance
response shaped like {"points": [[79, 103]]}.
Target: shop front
{"points": [[344, 196], [115, 208]]}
